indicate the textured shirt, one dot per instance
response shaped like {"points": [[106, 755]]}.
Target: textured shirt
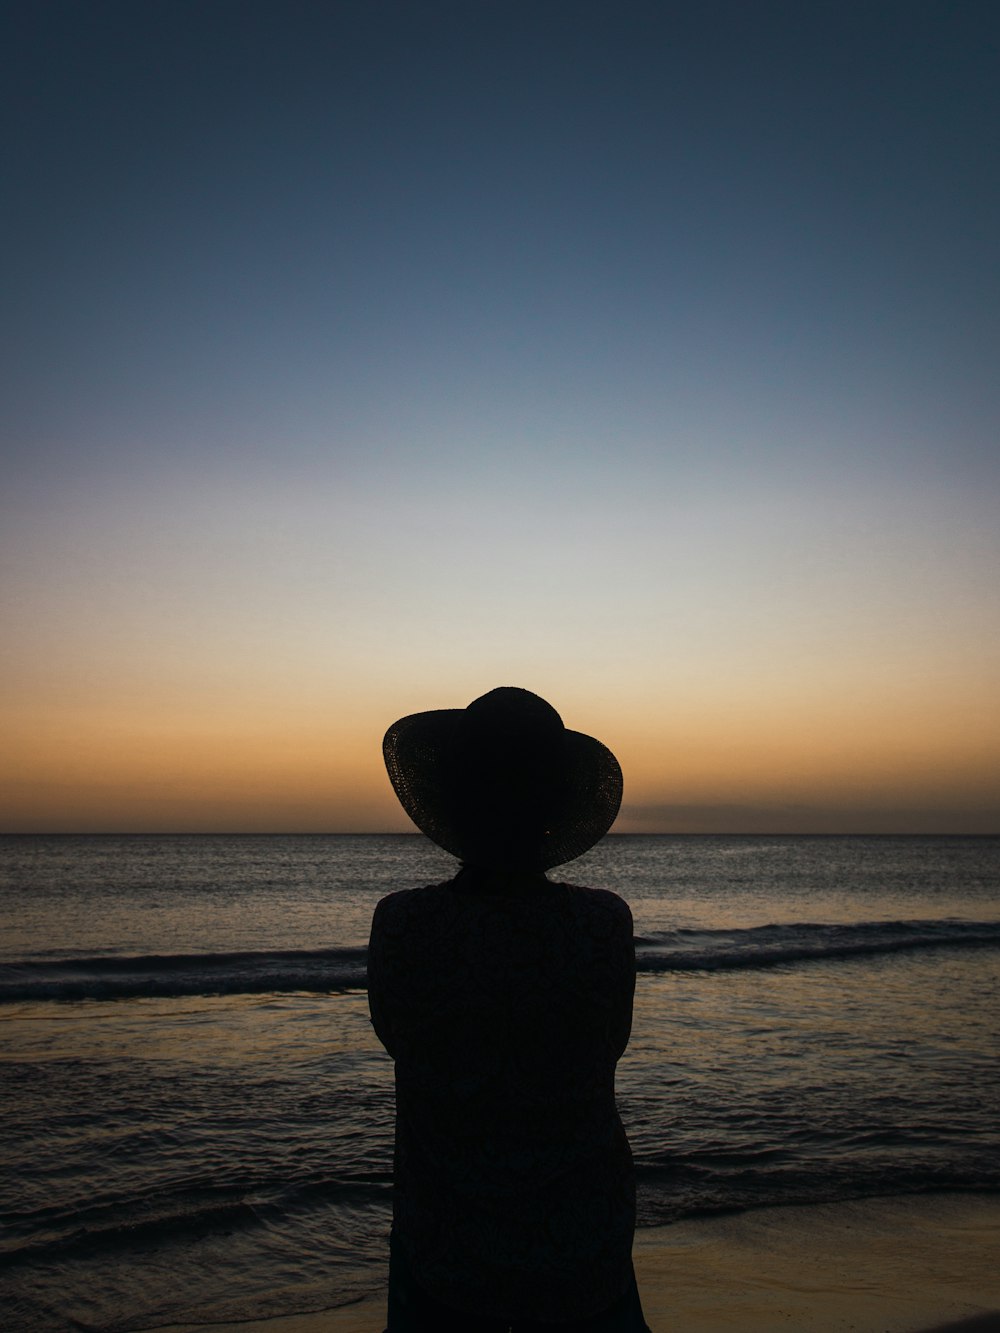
{"points": [[506, 1009]]}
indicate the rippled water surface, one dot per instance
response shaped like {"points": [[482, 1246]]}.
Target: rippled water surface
{"points": [[197, 1119]]}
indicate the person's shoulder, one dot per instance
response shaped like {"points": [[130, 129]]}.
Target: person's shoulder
{"points": [[599, 901], [405, 901]]}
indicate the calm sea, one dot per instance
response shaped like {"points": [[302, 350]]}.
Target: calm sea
{"points": [[196, 1119]]}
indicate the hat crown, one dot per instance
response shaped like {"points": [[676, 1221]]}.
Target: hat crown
{"points": [[513, 717]]}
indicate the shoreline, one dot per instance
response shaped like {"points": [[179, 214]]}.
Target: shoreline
{"points": [[901, 1264]]}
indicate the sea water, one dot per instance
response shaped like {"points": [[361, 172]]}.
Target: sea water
{"points": [[196, 1117]]}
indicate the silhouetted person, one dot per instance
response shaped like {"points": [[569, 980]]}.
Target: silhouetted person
{"points": [[505, 1000]]}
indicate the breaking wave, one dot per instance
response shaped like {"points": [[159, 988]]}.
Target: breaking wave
{"points": [[113, 977]]}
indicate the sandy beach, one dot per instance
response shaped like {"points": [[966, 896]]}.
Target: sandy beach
{"points": [[896, 1265]]}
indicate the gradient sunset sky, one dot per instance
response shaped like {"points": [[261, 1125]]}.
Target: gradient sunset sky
{"points": [[362, 356]]}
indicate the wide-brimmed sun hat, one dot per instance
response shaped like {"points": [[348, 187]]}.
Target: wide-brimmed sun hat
{"points": [[503, 782]]}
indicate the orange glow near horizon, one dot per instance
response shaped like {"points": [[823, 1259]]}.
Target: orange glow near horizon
{"points": [[314, 765]]}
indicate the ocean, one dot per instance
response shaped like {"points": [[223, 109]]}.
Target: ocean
{"points": [[196, 1117]]}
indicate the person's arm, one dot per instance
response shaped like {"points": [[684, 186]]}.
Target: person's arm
{"points": [[624, 966], [378, 1002]]}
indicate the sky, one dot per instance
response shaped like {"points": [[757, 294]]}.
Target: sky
{"points": [[359, 356]]}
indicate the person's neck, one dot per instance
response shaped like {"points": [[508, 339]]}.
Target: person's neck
{"points": [[499, 879]]}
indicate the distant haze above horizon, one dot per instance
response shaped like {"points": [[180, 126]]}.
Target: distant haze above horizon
{"points": [[360, 357]]}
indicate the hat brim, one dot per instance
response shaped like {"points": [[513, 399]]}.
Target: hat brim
{"points": [[418, 749]]}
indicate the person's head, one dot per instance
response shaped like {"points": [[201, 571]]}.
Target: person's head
{"points": [[502, 783]]}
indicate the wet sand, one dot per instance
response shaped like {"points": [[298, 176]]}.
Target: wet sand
{"points": [[897, 1265]]}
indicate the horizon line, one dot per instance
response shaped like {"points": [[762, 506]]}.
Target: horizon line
{"points": [[415, 833]]}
